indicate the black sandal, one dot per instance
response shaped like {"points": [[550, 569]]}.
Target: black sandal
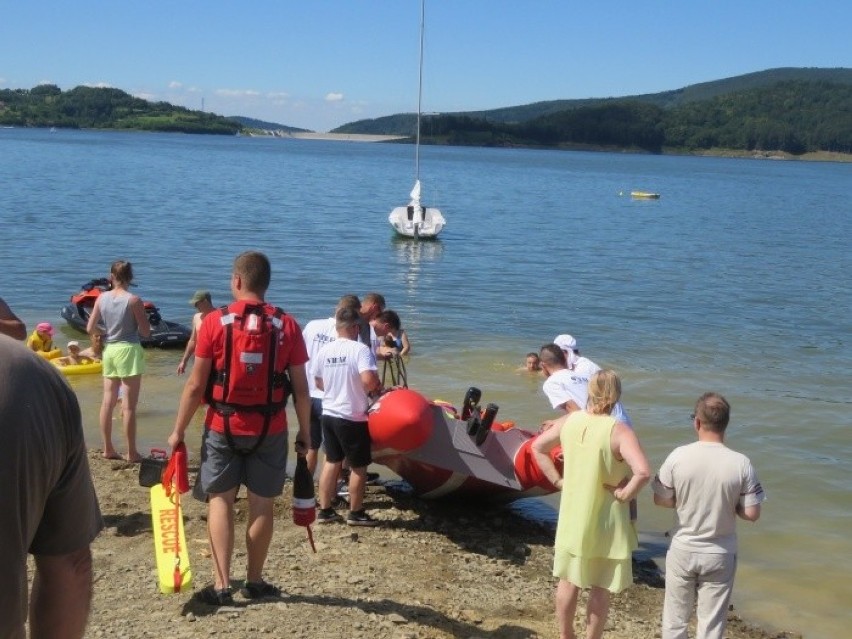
{"points": [[212, 597], [259, 590]]}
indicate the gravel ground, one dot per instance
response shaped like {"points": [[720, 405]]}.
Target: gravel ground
{"points": [[431, 570]]}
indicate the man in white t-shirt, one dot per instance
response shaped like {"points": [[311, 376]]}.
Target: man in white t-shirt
{"points": [[345, 370], [708, 485], [566, 390], [317, 333]]}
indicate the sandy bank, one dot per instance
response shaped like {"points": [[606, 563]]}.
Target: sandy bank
{"points": [[431, 570]]}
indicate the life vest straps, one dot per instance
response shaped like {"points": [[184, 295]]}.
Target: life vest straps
{"points": [[228, 322], [275, 380]]}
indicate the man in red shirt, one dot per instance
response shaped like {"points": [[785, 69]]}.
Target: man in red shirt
{"points": [[252, 449]]}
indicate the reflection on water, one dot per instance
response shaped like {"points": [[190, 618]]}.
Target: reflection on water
{"points": [[413, 251], [410, 256]]}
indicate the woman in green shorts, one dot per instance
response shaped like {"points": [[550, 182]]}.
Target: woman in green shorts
{"points": [[125, 322]]}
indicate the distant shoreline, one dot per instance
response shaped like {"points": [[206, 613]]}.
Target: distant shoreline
{"points": [[338, 137], [816, 156]]}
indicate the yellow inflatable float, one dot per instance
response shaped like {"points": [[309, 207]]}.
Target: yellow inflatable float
{"points": [[79, 369]]}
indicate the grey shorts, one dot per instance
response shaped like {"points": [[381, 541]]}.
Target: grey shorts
{"points": [[263, 472]]}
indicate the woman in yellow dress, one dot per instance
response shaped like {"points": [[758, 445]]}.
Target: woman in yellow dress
{"points": [[605, 467]]}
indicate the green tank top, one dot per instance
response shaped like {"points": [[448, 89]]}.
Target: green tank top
{"points": [[592, 524]]}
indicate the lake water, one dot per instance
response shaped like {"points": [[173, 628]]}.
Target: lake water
{"points": [[736, 280]]}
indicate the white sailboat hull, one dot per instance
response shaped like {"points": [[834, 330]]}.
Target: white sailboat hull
{"points": [[417, 221]]}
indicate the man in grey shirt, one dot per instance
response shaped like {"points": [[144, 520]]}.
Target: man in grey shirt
{"points": [[708, 485], [47, 499]]}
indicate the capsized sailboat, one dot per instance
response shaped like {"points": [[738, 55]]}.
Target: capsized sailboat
{"points": [[415, 220]]}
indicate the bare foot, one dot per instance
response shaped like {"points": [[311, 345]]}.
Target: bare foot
{"points": [[133, 459], [111, 455]]}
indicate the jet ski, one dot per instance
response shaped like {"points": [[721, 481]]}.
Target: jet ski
{"points": [[164, 334]]}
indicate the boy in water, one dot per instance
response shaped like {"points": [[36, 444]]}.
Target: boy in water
{"points": [[532, 363]]}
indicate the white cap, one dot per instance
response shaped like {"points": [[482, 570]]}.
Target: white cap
{"points": [[73, 342], [565, 342]]}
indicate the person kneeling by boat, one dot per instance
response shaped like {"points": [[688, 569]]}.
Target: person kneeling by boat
{"points": [[388, 327]]}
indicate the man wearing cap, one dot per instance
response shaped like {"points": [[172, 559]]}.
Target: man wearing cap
{"points": [[584, 368], [202, 302], [41, 338], [573, 360]]}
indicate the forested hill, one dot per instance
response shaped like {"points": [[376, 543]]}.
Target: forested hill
{"points": [[678, 97], [774, 110], [103, 108]]}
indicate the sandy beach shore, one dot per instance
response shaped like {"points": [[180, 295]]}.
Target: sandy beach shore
{"points": [[431, 570]]}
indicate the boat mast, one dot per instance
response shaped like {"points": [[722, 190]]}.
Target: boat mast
{"points": [[419, 94]]}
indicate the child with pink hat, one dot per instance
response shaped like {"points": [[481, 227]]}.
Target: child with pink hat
{"points": [[41, 338]]}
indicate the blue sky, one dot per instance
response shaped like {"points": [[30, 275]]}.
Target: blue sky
{"points": [[318, 64]]}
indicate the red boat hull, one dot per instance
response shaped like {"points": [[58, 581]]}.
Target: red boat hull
{"points": [[430, 448]]}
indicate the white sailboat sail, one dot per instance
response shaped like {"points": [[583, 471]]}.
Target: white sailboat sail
{"points": [[416, 220], [415, 193]]}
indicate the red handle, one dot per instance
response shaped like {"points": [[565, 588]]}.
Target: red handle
{"points": [[176, 471]]}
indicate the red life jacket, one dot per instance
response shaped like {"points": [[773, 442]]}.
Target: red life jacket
{"points": [[251, 378]]}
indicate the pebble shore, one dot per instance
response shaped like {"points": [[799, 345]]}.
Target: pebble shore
{"points": [[431, 570]]}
